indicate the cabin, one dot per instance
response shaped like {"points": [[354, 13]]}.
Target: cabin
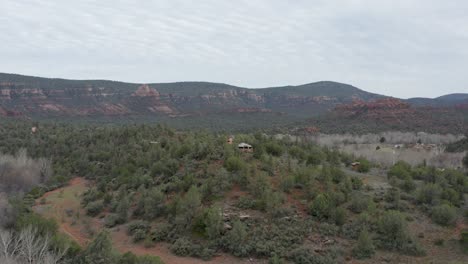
{"points": [[244, 147], [355, 165]]}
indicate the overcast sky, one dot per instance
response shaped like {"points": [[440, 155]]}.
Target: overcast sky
{"points": [[401, 48]]}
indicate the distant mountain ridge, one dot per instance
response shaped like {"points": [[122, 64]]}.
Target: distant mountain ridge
{"points": [[44, 96], [198, 102], [444, 100]]}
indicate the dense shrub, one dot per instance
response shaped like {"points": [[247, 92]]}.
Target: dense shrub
{"points": [[444, 215], [213, 222], [236, 240], [94, 208], [429, 194], [234, 164], [246, 203], [401, 170], [339, 216], [364, 165], [360, 203], [321, 207], [394, 234], [274, 149], [137, 225], [364, 247], [464, 240], [182, 247], [130, 258], [187, 208], [393, 230], [315, 157], [112, 220], [307, 256]]}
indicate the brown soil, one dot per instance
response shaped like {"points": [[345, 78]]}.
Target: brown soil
{"points": [[79, 231]]}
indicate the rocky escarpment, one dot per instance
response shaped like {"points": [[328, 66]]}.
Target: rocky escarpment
{"points": [[336, 103], [34, 96], [391, 114]]}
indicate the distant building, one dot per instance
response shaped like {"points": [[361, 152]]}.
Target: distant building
{"points": [[230, 140], [244, 147], [355, 165]]}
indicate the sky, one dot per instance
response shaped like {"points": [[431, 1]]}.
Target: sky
{"points": [[402, 48]]}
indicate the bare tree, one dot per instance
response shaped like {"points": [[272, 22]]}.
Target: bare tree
{"points": [[9, 245], [21, 173], [29, 247]]}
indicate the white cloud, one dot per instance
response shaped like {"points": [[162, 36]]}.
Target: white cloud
{"points": [[401, 48]]}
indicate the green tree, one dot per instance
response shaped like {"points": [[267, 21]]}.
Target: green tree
{"points": [[99, 251], [339, 216], [364, 247], [465, 161], [236, 239], [187, 207], [234, 164], [394, 234], [153, 204], [315, 157], [364, 165], [392, 226], [320, 206], [360, 203], [122, 209], [213, 222], [429, 194], [94, 208], [444, 215], [273, 149], [464, 240], [128, 258]]}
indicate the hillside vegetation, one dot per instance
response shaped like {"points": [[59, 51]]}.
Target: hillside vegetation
{"points": [[458, 146], [284, 202]]}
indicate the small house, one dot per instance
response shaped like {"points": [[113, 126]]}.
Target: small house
{"points": [[230, 140], [355, 165], [244, 147]]}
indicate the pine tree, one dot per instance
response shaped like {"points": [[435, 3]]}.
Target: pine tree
{"points": [[187, 207], [236, 239], [99, 251], [364, 247], [213, 222]]}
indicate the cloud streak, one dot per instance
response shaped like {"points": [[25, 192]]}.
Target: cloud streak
{"points": [[401, 48]]}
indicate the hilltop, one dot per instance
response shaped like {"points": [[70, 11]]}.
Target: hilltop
{"points": [[205, 104]]}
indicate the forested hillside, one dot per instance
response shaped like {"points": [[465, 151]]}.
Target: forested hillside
{"points": [[204, 198]]}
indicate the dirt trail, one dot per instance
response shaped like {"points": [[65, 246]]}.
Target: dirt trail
{"points": [[121, 241]]}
